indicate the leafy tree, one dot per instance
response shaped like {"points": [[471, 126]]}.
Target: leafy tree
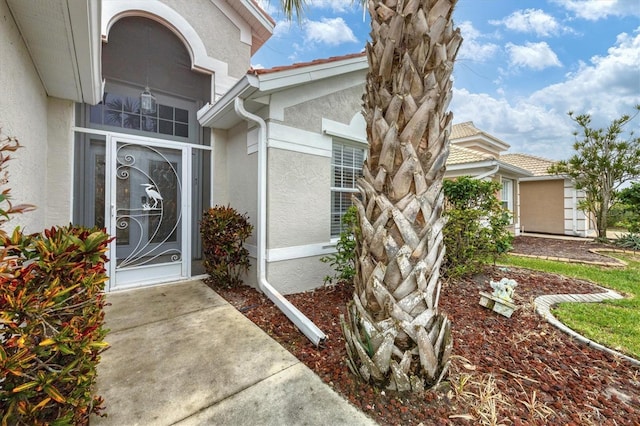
{"points": [[476, 231], [630, 199], [603, 161], [395, 336]]}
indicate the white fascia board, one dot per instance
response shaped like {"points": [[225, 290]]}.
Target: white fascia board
{"points": [[541, 178], [476, 165], [84, 16], [279, 80], [515, 170], [257, 14], [483, 139], [209, 114]]}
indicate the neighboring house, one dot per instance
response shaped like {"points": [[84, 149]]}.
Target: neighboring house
{"points": [[478, 154], [548, 202]]}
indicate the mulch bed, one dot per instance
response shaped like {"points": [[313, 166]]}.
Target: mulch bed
{"points": [[570, 249], [513, 371]]}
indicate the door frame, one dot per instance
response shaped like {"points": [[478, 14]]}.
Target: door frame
{"points": [[158, 276], [136, 276]]}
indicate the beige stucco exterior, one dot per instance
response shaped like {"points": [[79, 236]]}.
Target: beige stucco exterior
{"points": [[40, 171]]}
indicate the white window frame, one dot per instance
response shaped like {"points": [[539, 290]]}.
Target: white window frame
{"points": [[507, 196], [357, 170]]}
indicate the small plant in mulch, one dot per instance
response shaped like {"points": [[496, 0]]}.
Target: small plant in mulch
{"points": [[224, 232], [343, 260]]}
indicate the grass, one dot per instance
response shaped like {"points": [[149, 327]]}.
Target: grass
{"points": [[613, 323]]}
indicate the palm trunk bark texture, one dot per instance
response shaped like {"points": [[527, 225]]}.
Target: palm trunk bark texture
{"points": [[395, 336]]}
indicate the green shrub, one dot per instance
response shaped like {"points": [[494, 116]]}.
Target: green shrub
{"points": [[630, 205], [476, 230], [630, 241], [51, 318], [343, 260], [224, 232], [51, 325]]}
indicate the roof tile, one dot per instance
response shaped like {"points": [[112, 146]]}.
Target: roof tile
{"points": [[536, 165]]}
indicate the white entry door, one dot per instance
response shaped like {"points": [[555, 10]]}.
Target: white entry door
{"points": [[148, 201]]}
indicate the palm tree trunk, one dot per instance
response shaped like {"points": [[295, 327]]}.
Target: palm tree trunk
{"points": [[395, 335]]}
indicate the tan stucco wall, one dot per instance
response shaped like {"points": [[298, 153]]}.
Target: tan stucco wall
{"points": [[59, 162], [542, 206], [338, 106], [220, 36], [242, 176], [23, 114], [297, 275], [298, 198]]}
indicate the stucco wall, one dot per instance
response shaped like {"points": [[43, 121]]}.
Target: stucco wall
{"points": [[59, 162], [338, 106], [297, 275], [298, 198], [242, 176], [542, 206], [220, 36], [23, 114]]}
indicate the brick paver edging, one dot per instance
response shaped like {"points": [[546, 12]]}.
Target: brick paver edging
{"points": [[601, 251], [543, 307], [616, 263]]}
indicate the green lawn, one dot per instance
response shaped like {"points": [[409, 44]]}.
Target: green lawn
{"points": [[614, 323]]}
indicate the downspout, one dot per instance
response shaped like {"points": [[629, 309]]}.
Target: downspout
{"points": [[489, 173], [303, 323]]}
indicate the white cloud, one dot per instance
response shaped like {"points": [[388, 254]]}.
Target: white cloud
{"points": [[332, 31], [594, 10], [532, 21], [472, 48], [537, 56], [334, 5], [607, 87]]}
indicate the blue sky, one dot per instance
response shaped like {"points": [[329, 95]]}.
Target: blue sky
{"points": [[522, 66]]}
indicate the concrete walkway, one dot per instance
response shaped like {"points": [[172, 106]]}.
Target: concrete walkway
{"points": [[543, 306], [181, 355]]}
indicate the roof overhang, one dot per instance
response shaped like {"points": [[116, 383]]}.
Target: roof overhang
{"points": [[63, 39], [261, 23], [255, 88], [489, 164], [545, 177]]}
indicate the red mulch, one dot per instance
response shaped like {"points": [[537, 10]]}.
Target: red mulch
{"points": [[542, 376]]}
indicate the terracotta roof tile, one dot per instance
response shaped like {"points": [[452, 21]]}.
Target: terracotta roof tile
{"points": [[305, 64], [536, 165], [462, 155], [464, 130]]}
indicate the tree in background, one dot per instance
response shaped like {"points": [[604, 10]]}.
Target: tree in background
{"points": [[630, 199], [602, 163], [396, 338]]}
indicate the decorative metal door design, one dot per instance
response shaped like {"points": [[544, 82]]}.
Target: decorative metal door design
{"points": [[147, 212]]}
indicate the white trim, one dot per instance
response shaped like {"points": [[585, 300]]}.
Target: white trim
{"points": [[297, 252], [166, 143], [114, 10], [354, 131], [297, 140]]}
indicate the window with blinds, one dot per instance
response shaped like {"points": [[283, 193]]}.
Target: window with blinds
{"points": [[346, 169]]}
